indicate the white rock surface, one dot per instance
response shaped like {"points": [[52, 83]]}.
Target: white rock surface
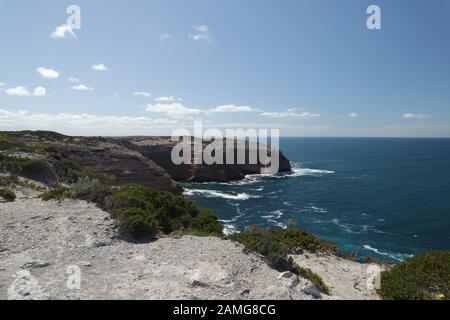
{"points": [[45, 245], [346, 279]]}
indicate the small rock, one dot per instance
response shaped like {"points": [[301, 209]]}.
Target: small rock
{"points": [[36, 263], [311, 289], [289, 279], [84, 264]]}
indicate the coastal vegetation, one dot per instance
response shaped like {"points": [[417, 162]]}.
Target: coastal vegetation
{"points": [[146, 212], [140, 211], [5, 144], [7, 195], [423, 277], [277, 244]]}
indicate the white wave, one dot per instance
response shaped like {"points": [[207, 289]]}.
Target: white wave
{"points": [[348, 228], [218, 194], [273, 218], [314, 209], [229, 229], [277, 223], [357, 229], [398, 256], [277, 214], [299, 172]]}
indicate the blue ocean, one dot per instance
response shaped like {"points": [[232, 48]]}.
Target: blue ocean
{"points": [[385, 198]]}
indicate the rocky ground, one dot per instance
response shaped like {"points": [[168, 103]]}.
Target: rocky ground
{"points": [[44, 246]]}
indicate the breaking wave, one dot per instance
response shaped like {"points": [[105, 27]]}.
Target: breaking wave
{"points": [[396, 256], [219, 194]]}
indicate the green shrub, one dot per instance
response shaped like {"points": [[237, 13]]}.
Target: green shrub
{"points": [[423, 277], [311, 276], [7, 181], [87, 189], [171, 212], [205, 224], [277, 244], [281, 242], [136, 221], [49, 152], [34, 169], [5, 144], [60, 194], [7, 195]]}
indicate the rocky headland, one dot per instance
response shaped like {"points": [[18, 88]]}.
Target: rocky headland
{"points": [[104, 218]]}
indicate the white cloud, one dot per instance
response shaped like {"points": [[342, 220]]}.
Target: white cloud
{"points": [[202, 28], [201, 38], [202, 35], [84, 124], [165, 36], [48, 73], [40, 92], [353, 115], [73, 79], [21, 91], [168, 99], [81, 87], [141, 93], [2, 84], [291, 114], [231, 108], [173, 110], [18, 92], [60, 32], [99, 67], [409, 116]]}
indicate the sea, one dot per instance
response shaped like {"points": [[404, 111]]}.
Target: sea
{"points": [[384, 198]]}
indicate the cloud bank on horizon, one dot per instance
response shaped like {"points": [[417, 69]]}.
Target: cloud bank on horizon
{"points": [[149, 76]]}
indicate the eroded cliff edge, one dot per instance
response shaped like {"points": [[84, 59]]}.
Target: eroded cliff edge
{"points": [[141, 160], [42, 243]]}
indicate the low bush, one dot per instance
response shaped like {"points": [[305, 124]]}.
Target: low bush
{"points": [[141, 211], [60, 193], [5, 144], [34, 169], [170, 212], [311, 276], [6, 181], [138, 222], [87, 189], [7, 195], [277, 244], [423, 277]]}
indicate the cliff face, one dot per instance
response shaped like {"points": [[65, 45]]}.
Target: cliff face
{"points": [[104, 157], [146, 160], [160, 149]]}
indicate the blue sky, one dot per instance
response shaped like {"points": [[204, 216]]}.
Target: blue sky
{"points": [[308, 67]]}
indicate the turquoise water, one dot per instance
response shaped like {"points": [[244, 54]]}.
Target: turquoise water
{"points": [[385, 198]]}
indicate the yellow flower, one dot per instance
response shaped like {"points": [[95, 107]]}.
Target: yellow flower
{"points": [[441, 296]]}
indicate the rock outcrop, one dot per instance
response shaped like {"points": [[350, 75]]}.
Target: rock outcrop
{"points": [[144, 160], [102, 156], [160, 149], [71, 250]]}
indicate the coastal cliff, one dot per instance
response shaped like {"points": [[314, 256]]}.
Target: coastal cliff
{"points": [[37, 264], [104, 207], [144, 160], [159, 150], [101, 207]]}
